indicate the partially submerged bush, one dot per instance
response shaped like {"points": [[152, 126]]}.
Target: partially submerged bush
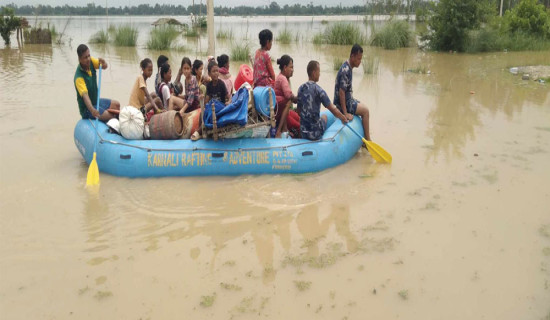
{"points": [[451, 20], [102, 37], [284, 36], [8, 23], [341, 33], [240, 52], [192, 32], [125, 36], [225, 34], [162, 38], [395, 34], [490, 39]]}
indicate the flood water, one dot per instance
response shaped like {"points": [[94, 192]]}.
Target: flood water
{"points": [[457, 227]]}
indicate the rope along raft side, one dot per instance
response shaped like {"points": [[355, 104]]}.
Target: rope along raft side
{"points": [[160, 158]]}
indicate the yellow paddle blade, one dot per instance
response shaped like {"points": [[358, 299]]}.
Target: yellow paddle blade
{"points": [[93, 174], [377, 152]]}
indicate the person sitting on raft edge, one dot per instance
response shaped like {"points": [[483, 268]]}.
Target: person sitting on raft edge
{"points": [[343, 91], [310, 97], [85, 83]]}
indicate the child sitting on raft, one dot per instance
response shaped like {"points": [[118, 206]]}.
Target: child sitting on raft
{"points": [[310, 97], [162, 59], [287, 120], [166, 93], [264, 76], [140, 97], [215, 89], [192, 94], [197, 71], [225, 76]]}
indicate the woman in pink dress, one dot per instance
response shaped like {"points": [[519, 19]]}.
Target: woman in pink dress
{"points": [[287, 120], [264, 76]]}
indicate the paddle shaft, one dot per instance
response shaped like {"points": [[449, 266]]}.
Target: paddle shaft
{"points": [[97, 105], [357, 133]]}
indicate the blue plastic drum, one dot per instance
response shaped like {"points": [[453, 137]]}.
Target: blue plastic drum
{"points": [[261, 99]]}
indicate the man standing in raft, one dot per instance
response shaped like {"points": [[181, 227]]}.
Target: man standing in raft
{"points": [[343, 92], [85, 83]]}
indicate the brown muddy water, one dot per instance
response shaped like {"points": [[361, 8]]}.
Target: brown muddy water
{"points": [[458, 227]]}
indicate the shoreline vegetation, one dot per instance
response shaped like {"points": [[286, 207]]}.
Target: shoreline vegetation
{"points": [[377, 7], [469, 26]]}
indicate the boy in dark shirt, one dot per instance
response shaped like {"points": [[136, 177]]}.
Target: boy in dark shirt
{"points": [[343, 91], [310, 97], [216, 88]]}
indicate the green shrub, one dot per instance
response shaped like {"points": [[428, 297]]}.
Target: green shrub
{"points": [[102, 37], [225, 34], [341, 33], [529, 17], [192, 33], [284, 36], [8, 23], [490, 39], [344, 33], [421, 14], [162, 38], [240, 52], [451, 20], [395, 34], [125, 36], [52, 29], [319, 38]]}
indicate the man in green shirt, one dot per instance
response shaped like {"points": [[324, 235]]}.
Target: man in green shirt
{"points": [[85, 83]]}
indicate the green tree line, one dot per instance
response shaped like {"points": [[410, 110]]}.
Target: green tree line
{"points": [[372, 7]]}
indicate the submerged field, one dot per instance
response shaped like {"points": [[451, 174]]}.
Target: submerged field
{"points": [[458, 227]]}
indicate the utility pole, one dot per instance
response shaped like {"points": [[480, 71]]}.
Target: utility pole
{"points": [[210, 27]]}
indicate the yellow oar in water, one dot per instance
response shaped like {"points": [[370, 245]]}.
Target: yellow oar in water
{"points": [[93, 171], [377, 152]]}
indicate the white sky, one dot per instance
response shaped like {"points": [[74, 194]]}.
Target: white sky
{"points": [[228, 3]]}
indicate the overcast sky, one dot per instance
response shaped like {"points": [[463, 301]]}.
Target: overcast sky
{"points": [[229, 3]]}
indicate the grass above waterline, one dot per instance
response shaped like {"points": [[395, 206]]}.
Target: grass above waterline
{"points": [[125, 36], [489, 40], [341, 33], [284, 36], [395, 34], [162, 38], [101, 37], [240, 52]]}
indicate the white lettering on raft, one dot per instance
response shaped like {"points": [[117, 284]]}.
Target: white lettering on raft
{"points": [[279, 159]]}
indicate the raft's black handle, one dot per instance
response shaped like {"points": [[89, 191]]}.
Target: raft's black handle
{"points": [[307, 153], [125, 156], [217, 154]]}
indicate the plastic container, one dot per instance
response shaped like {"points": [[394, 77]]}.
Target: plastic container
{"points": [[245, 75], [261, 99]]}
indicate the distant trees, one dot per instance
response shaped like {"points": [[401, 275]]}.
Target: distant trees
{"points": [[304, 8]]}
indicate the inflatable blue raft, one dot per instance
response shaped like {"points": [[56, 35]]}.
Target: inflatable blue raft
{"points": [[158, 158]]}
